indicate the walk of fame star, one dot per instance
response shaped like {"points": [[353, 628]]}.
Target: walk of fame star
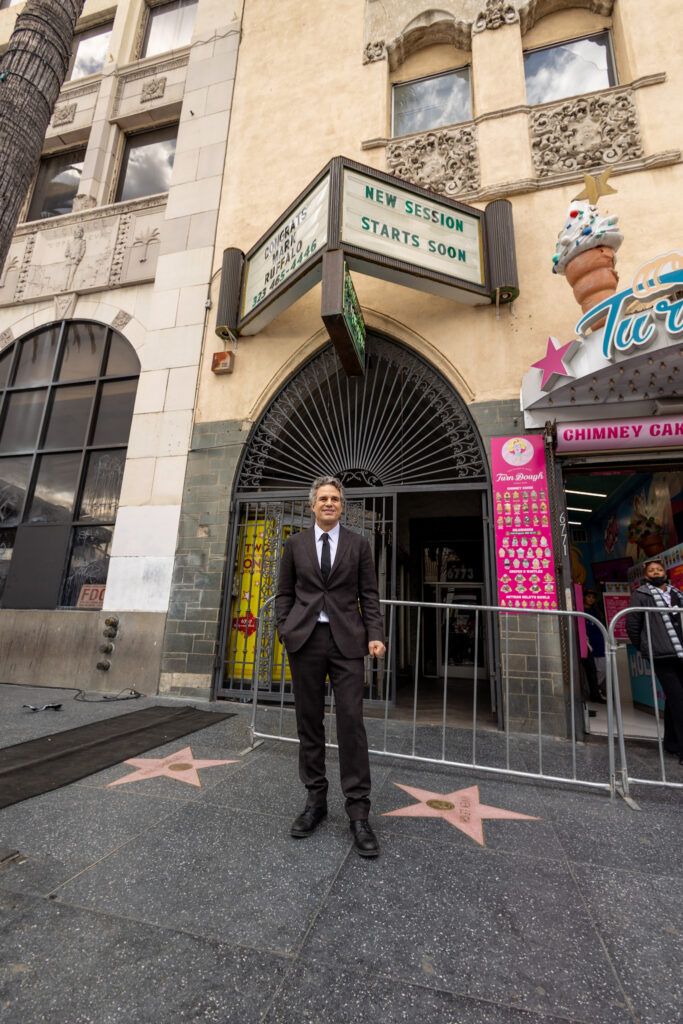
{"points": [[181, 766], [461, 808]]}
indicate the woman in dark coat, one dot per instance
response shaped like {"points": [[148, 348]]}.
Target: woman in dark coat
{"points": [[666, 637]]}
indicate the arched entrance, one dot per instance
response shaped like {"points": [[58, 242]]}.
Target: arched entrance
{"points": [[412, 461]]}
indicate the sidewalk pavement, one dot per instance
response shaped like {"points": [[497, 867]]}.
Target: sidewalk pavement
{"points": [[160, 902]]}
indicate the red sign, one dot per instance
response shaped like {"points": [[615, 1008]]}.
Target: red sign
{"points": [[246, 624], [616, 603], [524, 547], [91, 595]]}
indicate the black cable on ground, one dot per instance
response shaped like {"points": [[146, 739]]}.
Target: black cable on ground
{"points": [[121, 695]]}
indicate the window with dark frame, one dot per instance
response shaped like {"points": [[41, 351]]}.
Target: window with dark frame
{"points": [[169, 26], [147, 163], [570, 68], [66, 404], [90, 51], [431, 102], [57, 185]]}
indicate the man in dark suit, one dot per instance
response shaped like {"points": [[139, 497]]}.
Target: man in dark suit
{"points": [[325, 574], [666, 638]]}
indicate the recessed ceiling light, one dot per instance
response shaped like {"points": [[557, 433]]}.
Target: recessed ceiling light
{"points": [[586, 494]]}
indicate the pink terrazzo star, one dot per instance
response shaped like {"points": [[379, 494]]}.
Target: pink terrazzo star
{"points": [[181, 766], [461, 808]]}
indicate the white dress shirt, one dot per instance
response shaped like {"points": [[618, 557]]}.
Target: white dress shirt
{"points": [[333, 534]]}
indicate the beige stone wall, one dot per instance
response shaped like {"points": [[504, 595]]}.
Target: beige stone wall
{"points": [[303, 95]]}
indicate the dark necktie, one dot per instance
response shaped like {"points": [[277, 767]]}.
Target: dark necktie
{"points": [[325, 564]]}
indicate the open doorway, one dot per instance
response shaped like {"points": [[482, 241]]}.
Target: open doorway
{"points": [[618, 518], [441, 559]]}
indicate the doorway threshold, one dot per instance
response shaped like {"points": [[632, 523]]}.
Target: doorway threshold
{"points": [[638, 725]]}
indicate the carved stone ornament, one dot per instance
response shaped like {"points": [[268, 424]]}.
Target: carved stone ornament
{"points": [[22, 280], [374, 51], [575, 135], [445, 160], [429, 28], [6, 338], [532, 11], [120, 247], [496, 14], [154, 89], [84, 202], [64, 114], [11, 263], [65, 306], [121, 320]]}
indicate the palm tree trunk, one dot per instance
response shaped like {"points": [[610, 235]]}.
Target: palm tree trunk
{"points": [[32, 71]]}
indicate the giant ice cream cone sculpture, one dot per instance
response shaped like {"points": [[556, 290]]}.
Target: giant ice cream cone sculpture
{"points": [[586, 247]]}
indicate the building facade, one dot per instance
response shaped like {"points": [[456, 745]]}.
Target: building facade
{"points": [[102, 312], [474, 103]]}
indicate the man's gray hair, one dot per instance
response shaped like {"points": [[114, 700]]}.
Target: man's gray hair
{"points": [[326, 481]]}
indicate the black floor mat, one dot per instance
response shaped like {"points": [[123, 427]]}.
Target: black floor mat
{"points": [[39, 766]]}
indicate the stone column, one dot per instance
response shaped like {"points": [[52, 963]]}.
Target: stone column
{"points": [[144, 545]]}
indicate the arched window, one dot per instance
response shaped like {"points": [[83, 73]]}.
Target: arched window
{"points": [[66, 402]]}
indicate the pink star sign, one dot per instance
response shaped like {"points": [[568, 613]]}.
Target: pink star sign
{"points": [[181, 766], [552, 363], [461, 808]]}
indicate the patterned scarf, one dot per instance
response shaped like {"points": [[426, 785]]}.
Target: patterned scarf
{"points": [[667, 619]]}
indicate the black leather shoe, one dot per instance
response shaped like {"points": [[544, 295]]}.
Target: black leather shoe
{"points": [[364, 839], [308, 821]]}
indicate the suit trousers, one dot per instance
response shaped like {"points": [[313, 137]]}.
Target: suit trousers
{"points": [[310, 665]]}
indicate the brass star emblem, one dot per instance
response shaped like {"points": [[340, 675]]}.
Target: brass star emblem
{"points": [[462, 808], [595, 186]]}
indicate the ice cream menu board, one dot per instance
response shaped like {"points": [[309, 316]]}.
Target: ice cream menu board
{"points": [[524, 547]]}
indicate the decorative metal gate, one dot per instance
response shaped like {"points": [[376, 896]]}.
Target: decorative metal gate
{"points": [[399, 428]]}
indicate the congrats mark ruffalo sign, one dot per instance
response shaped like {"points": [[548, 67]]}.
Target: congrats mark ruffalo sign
{"points": [[291, 244]]}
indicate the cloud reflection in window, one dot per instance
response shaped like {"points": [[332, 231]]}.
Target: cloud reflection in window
{"points": [[91, 53], [149, 164], [432, 102], [569, 69]]}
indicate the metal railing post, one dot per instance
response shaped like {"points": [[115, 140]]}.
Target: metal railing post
{"points": [[474, 687], [655, 698]]}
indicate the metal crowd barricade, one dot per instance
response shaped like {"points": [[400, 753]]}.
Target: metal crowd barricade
{"points": [[627, 778], [607, 784]]}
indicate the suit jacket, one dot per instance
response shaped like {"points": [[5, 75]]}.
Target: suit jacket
{"points": [[637, 630], [302, 594]]}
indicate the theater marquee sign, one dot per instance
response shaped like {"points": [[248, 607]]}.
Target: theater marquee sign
{"points": [[386, 228]]}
